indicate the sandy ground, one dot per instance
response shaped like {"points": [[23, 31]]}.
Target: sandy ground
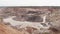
{"points": [[4, 29]]}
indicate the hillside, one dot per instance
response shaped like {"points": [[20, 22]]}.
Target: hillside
{"points": [[20, 20]]}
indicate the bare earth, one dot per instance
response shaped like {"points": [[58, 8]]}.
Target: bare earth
{"points": [[34, 20]]}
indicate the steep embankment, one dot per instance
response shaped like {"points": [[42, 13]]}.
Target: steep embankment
{"points": [[8, 30]]}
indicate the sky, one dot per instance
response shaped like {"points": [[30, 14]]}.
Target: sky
{"points": [[29, 2]]}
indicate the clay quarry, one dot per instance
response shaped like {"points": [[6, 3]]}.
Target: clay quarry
{"points": [[29, 20]]}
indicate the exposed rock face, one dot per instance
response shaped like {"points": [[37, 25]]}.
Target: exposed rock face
{"points": [[32, 20]]}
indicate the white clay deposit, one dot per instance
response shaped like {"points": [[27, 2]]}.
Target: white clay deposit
{"points": [[23, 24]]}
